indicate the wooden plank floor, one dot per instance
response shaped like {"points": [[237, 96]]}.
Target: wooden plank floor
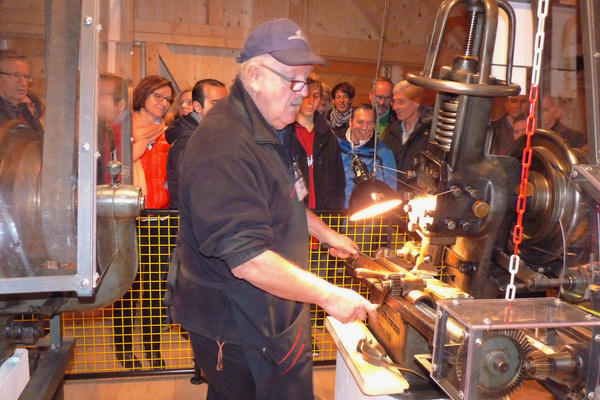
{"points": [[169, 387], [172, 387]]}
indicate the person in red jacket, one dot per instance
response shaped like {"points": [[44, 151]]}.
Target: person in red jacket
{"points": [[151, 100]]}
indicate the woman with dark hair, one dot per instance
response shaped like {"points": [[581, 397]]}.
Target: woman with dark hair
{"points": [[342, 95], [152, 98]]}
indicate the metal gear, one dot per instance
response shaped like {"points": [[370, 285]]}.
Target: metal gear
{"points": [[537, 365], [501, 366]]}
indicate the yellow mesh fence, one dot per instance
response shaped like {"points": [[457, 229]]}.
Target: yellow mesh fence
{"points": [[134, 334]]}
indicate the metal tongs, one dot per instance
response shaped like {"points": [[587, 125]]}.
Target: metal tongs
{"points": [[375, 354]]}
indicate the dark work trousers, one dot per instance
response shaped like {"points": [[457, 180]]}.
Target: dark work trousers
{"points": [[149, 286], [234, 381]]}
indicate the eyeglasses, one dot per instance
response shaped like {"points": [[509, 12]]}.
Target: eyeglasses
{"points": [[159, 97], [383, 98], [400, 102], [296, 85], [18, 77]]}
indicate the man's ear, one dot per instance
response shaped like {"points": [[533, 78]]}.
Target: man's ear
{"points": [[254, 77], [197, 106]]}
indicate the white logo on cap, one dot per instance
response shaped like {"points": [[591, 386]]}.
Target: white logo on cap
{"points": [[298, 35]]}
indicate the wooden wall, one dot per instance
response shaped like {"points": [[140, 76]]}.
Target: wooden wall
{"points": [[187, 40], [203, 37]]}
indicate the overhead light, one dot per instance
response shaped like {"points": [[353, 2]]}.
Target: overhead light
{"points": [[370, 196]]}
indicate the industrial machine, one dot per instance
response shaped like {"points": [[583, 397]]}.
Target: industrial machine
{"points": [[67, 244], [444, 304]]}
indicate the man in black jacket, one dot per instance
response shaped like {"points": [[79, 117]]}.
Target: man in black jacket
{"points": [[309, 141], [243, 240], [408, 135], [205, 94], [14, 82], [552, 112]]}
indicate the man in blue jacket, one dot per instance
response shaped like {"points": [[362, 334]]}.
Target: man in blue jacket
{"points": [[359, 140]]}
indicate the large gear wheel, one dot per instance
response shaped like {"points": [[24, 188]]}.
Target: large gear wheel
{"points": [[501, 366]]}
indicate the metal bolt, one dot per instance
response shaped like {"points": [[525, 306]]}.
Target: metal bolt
{"points": [[84, 283], [407, 208], [456, 191], [487, 321], [85, 146], [465, 226], [591, 395], [434, 367], [455, 302], [439, 314], [461, 394], [450, 225], [597, 55], [479, 342], [88, 21], [597, 338], [97, 155]]}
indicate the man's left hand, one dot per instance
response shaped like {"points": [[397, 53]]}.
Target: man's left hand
{"points": [[342, 246]]}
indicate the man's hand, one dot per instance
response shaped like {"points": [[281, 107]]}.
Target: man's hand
{"points": [[341, 246], [346, 306], [338, 245]]}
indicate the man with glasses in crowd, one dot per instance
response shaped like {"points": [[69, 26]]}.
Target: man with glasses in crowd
{"points": [[242, 286], [381, 99], [14, 82]]}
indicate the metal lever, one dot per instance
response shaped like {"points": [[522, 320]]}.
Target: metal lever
{"points": [[383, 277]]}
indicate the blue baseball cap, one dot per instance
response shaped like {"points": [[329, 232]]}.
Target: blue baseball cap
{"points": [[284, 40]]}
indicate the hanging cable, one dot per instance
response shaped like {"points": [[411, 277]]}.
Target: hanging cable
{"points": [[386, 8]]}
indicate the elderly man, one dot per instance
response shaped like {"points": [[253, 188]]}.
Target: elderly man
{"points": [[552, 112], [381, 98], [242, 287], [409, 135], [14, 81]]}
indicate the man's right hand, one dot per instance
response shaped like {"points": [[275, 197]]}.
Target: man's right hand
{"points": [[346, 306]]}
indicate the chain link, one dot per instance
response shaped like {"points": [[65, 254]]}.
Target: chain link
{"points": [[513, 267]]}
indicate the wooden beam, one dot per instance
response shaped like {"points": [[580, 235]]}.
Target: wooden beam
{"points": [[152, 59], [178, 77], [215, 12], [373, 14], [334, 48]]}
